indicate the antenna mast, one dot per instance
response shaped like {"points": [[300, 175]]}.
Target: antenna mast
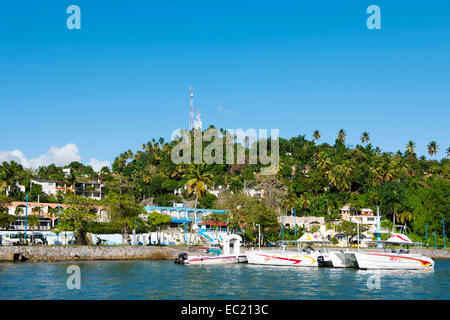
{"points": [[191, 114]]}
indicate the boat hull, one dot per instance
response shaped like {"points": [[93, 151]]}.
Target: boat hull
{"points": [[381, 260], [277, 258], [216, 259], [338, 259]]}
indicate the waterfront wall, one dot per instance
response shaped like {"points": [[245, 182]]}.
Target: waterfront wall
{"points": [[67, 253]]}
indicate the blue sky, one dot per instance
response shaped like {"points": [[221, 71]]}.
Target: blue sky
{"points": [[295, 66]]}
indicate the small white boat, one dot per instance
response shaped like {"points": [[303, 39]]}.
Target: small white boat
{"points": [[394, 259], [214, 257], [306, 257]]}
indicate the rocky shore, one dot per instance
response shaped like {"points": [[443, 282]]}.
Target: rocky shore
{"points": [[68, 253]]}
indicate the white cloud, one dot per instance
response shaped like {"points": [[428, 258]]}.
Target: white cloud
{"points": [[59, 156], [224, 111], [98, 165], [15, 155]]}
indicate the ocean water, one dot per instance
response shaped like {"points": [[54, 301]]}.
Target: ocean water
{"points": [[166, 280]]}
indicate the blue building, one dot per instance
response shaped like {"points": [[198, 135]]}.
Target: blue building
{"points": [[182, 215]]}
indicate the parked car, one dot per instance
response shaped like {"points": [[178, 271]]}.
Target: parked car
{"points": [[11, 239], [17, 238], [356, 240]]}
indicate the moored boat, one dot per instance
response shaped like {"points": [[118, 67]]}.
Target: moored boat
{"points": [[215, 256], [394, 259], [305, 257]]}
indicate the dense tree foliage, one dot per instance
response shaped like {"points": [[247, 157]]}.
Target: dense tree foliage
{"points": [[313, 179]]}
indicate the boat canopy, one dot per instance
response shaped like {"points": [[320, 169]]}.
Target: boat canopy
{"points": [[311, 237], [396, 238], [399, 238]]}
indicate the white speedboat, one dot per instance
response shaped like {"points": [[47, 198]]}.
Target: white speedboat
{"points": [[215, 256], [394, 259], [283, 258], [306, 257]]}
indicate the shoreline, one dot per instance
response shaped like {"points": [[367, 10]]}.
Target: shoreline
{"points": [[89, 253], [117, 253]]}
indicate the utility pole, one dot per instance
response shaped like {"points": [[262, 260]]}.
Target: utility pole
{"points": [[434, 239], [57, 215], [378, 228], [357, 224], [26, 218], [259, 236], [443, 229], [191, 113], [295, 222]]}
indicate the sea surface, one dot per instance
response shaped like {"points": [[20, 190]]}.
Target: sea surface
{"points": [[166, 280]]}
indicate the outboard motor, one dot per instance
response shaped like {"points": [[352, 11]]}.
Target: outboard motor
{"points": [[321, 261], [181, 258]]}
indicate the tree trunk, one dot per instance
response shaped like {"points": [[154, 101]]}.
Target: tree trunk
{"points": [[393, 220], [125, 235], [190, 234], [80, 237]]}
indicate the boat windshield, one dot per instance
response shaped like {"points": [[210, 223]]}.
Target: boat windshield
{"points": [[214, 251]]}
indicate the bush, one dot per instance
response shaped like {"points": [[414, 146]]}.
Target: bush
{"points": [[334, 240], [167, 200], [103, 228]]}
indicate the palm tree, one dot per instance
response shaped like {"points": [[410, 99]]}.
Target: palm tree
{"points": [[289, 201], [18, 211], [316, 135], [341, 135], [448, 152], [52, 212], [432, 148], [198, 180], [10, 173], [33, 221], [365, 137], [339, 175], [405, 216], [410, 147], [304, 201]]}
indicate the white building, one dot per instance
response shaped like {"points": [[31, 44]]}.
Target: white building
{"points": [[50, 187], [66, 172], [305, 222], [366, 217], [92, 190]]}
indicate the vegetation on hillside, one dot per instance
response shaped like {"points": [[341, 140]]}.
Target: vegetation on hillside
{"points": [[314, 179]]}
